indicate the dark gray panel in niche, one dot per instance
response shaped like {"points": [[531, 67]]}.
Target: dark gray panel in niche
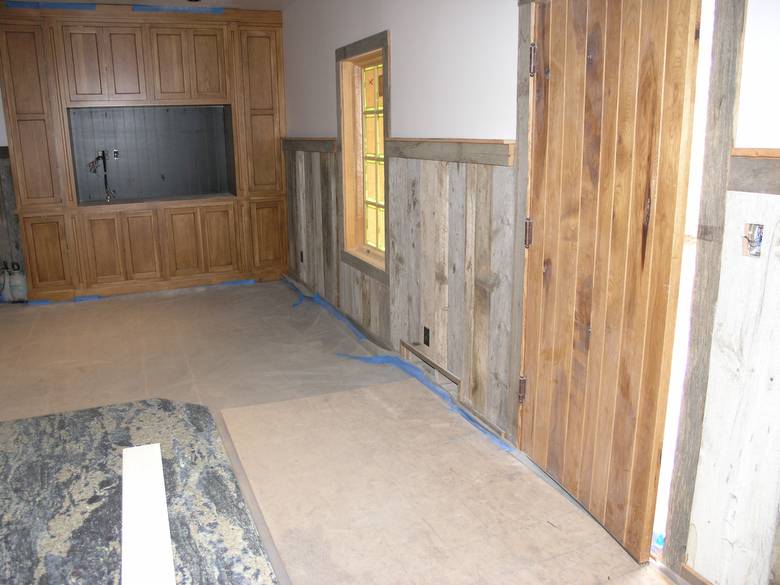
{"points": [[165, 152]]}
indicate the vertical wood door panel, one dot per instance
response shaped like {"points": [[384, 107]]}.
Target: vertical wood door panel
{"points": [[103, 248], [208, 64], [142, 245], [170, 58], [611, 117], [36, 160], [33, 128], [261, 115], [219, 238], [47, 255], [184, 241], [267, 231], [26, 81], [86, 77], [124, 51]]}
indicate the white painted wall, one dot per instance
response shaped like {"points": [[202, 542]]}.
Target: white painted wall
{"points": [[758, 118], [453, 64], [737, 492]]}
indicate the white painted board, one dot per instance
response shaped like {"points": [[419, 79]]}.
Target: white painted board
{"points": [[147, 554]]}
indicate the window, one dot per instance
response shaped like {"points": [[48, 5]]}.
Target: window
{"points": [[363, 104]]}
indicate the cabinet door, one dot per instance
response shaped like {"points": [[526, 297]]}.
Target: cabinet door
{"points": [[219, 238], [184, 241], [208, 64], [47, 251], [102, 245], [261, 116], [142, 245], [170, 63], [268, 232], [125, 59], [36, 151], [83, 62]]}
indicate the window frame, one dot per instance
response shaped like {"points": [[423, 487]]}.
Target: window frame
{"points": [[350, 61]]}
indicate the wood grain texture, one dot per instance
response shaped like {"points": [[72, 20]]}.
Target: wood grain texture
{"points": [[609, 162], [465, 151], [754, 175], [719, 139]]}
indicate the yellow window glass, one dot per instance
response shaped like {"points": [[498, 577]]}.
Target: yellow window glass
{"points": [[373, 157]]}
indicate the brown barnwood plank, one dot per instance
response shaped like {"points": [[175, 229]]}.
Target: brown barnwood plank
{"points": [[567, 229], [536, 211], [667, 253], [597, 405], [641, 231], [618, 251], [587, 235], [557, 58]]}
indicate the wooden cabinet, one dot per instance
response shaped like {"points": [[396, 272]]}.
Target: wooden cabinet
{"points": [[267, 221], [208, 64], [125, 63], [188, 64], [184, 241], [104, 63], [29, 87], [47, 251], [103, 256], [262, 127], [201, 240], [219, 238], [142, 245]]}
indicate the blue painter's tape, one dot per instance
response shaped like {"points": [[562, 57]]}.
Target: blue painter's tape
{"points": [[189, 9], [86, 298], [238, 282], [50, 5], [39, 302], [421, 377], [333, 311]]}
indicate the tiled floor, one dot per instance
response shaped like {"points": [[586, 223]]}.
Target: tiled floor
{"points": [[362, 478]]}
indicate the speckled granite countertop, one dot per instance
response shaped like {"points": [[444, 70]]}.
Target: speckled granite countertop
{"points": [[61, 497]]}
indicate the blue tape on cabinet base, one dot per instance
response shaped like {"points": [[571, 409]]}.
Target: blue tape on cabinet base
{"points": [[50, 5], [87, 298], [189, 9]]}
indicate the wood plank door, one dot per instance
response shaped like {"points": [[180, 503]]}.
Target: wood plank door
{"points": [[611, 112]]}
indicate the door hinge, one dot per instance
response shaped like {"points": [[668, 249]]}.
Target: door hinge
{"points": [[529, 232], [521, 390], [532, 59]]}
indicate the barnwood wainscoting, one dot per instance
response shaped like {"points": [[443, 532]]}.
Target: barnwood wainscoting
{"points": [[53, 60], [450, 248]]}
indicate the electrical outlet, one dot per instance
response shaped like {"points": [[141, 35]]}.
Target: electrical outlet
{"points": [[427, 336], [115, 152]]}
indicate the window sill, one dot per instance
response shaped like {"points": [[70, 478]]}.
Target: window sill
{"points": [[372, 265]]}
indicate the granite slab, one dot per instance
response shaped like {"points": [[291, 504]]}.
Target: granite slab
{"points": [[61, 497]]}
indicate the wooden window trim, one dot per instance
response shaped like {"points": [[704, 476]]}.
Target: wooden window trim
{"points": [[349, 63]]}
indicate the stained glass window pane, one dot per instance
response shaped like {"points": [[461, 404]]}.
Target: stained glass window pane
{"points": [[370, 213], [370, 180], [380, 88], [380, 133], [369, 134], [369, 87], [380, 226], [380, 182]]}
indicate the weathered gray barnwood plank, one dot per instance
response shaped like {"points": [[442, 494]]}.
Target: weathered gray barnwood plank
{"points": [[754, 175], [398, 251], [484, 283], [456, 264], [293, 204], [501, 261], [309, 144], [719, 140], [478, 152], [316, 237], [330, 250]]}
